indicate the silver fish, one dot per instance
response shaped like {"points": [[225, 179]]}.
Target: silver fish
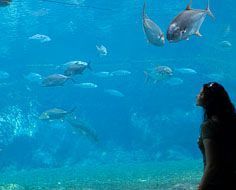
{"points": [[55, 80], [121, 73], [103, 74], [55, 114], [102, 50], [158, 74], [153, 32], [113, 92], [76, 68], [40, 37], [34, 77], [87, 85], [187, 23]]}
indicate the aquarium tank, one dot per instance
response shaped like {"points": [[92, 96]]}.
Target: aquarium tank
{"points": [[102, 94]]}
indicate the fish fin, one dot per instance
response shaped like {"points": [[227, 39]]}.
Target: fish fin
{"points": [[189, 5], [198, 34], [208, 11], [144, 10]]}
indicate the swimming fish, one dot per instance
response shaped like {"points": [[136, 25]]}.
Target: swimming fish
{"points": [[87, 85], [175, 81], [153, 32], [225, 44], [76, 68], [158, 73], [55, 114], [4, 3], [4, 75], [55, 80], [83, 129], [34, 77], [40, 37], [103, 74], [187, 23], [121, 73], [186, 71], [102, 50], [113, 92]]}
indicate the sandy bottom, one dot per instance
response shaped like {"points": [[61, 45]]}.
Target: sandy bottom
{"points": [[171, 175]]}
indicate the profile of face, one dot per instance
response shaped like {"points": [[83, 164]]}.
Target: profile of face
{"points": [[200, 98]]}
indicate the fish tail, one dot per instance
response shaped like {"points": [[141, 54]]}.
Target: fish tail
{"points": [[89, 66], [144, 9], [209, 11]]}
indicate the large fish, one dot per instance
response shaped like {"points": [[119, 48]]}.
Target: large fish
{"points": [[187, 23], [55, 80], [153, 32], [76, 68]]}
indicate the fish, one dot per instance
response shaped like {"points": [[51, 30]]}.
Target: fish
{"points": [[102, 50], [121, 73], [87, 85], [55, 80], [114, 92], [34, 77], [4, 3], [225, 44], [4, 75], [152, 31], [158, 74], [186, 71], [175, 81], [76, 68], [103, 74], [40, 37], [187, 23], [55, 114], [82, 128]]}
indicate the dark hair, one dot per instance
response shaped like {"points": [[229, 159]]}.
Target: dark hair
{"points": [[217, 102]]}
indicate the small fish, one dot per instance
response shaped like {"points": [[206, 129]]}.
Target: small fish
{"points": [[34, 77], [158, 74], [186, 71], [175, 81], [187, 23], [76, 68], [225, 44], [87, 85], [4, 3], [4, 75], [153, 32], [121, 73], [102, 50], [55, 80], [40, 37], [216, 77], [103, 74], [113, 92], [55, 114]]}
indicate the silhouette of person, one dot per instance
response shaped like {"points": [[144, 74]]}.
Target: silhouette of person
{"points": [[217, 140]]}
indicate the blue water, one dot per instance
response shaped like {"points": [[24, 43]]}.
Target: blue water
{"points": [[151, 123]]}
